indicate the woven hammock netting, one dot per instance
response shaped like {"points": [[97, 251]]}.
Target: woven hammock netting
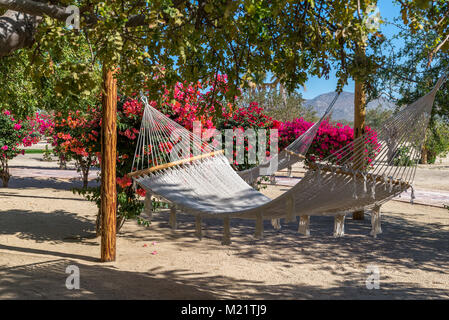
{"points": [[178, 166]]}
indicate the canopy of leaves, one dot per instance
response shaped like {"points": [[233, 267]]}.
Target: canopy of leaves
{"points": [[279, 105], [156, 43], [411, 70], [17, 91]]}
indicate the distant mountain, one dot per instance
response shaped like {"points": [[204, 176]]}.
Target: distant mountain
{"points": [[344, 106]]}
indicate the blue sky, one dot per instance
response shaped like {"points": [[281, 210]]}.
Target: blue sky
{"points": [[316, 86]]}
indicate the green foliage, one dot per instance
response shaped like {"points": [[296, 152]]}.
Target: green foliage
{"points": [[429, 16], [67, 75], [188, 40], [279, 105], [46, 154], [437, 140], [414, 68], [402, 157], [34, 151], [376, 116], [17, 92], [51, 78]]}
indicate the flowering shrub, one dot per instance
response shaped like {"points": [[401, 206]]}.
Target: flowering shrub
{"points": [[187, 104], [129, 115], [41, 125], [329, 139], [252, 117], [13, 135], [76, 136]]}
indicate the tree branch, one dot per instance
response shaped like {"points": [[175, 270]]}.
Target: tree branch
{"points": [[18, 25], [434, 51], [16, 31], [35, 8]]}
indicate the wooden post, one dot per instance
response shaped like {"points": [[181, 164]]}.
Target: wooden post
{"points": [[359, 125], [108, 166]]}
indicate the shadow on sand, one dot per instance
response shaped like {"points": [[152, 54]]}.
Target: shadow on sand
{"points": [[47, 281], [404, 243]]}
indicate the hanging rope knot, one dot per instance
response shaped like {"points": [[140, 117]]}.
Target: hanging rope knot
{"points": [[385, 182], [339, 225], [365, 190], [373, 189], [376, 221], [289, 171], [390, 187], [303, 226], [276, 223], [412, 194]]}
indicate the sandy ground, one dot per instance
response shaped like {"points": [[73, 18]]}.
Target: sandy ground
{"points": [[44, 228]]}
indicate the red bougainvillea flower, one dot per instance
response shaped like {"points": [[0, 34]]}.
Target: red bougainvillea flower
{"points": [[141, 192], [124, 182]]}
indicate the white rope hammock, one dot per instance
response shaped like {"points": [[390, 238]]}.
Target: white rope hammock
{"points": [[202, 182]]}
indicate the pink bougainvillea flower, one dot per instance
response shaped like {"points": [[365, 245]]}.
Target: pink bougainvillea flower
{"points": [[5, 148], [154, 252]]}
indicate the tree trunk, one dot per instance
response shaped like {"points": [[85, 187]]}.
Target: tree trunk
{"points": [[98, 223], [4, 173], [86, 176], [5, 180], [424, 158], [85, 180], [359, 130], [108, 166], [62, 162]]}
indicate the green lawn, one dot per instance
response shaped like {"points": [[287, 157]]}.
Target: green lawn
{"points": [[34, 151]]}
